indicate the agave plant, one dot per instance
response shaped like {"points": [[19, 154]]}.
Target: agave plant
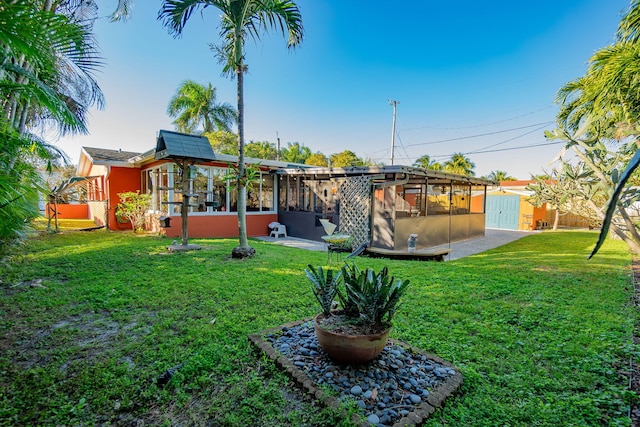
{"points": [[324, 284], [374, 296]]}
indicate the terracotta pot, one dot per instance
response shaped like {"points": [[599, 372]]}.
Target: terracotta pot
{"points": [[350, 348]]}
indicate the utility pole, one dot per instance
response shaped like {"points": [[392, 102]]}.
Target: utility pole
{"points": [[393, 128], [278, 152]]}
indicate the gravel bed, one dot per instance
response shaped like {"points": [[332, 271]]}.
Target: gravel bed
{"points": [[386, 389]]}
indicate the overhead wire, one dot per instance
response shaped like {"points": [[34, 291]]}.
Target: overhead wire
{"points": [[506, 149], [508, 140], [482, 124], [480, 135]]}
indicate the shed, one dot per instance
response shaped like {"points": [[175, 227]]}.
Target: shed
{"points": [[509, 209]]}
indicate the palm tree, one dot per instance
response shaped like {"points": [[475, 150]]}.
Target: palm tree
{"points": [[239, 19], [460, 165], [603, 104], [295, 152], [195, 104], [47, 60], [425, 162], [499, 176]]}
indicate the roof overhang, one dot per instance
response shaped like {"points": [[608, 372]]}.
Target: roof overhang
{"points": [[327, 173]]}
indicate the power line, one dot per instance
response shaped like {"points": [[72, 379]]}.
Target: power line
{"points": [[508, 140], [479, 135], [480, 125], [505, 149]]}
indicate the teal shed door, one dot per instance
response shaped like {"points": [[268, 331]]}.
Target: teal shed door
{"points": [[502, 212]]}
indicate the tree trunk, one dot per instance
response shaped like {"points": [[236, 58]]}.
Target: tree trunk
{"points": [[556, 220], [631, 228], [633, 245], [242, 189]]}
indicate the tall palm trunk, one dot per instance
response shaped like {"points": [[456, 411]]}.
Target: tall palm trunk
{"points": [[242, 189]]}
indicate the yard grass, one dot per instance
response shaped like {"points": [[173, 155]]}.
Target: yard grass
{"points": [[42, 222], [542, 336]]}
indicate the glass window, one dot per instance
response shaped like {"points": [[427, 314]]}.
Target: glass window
{"points": [[218, 196], [199, 189], [266, 191]]}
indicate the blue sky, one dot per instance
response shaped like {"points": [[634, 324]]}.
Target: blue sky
{"points": [[473, 77]]}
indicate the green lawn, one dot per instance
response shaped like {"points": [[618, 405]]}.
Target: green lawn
{"points": [[542, 336]]}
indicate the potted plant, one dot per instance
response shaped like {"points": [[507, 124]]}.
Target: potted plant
{"points": [[359, 330]]}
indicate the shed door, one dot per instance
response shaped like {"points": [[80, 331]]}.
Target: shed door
{"points": [[503, 212]]}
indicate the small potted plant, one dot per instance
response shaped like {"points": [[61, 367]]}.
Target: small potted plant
{"points": [[359, 330]]}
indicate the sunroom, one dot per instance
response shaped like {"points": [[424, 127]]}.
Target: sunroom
{"points": [[382, 205]]}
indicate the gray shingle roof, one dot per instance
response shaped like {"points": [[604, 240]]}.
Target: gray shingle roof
{"points": [[106, 155], [177, 145]]}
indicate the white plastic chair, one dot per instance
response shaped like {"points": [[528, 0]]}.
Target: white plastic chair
{"points": [[279, 230]]}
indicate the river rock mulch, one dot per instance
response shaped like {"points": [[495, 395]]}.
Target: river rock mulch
{"points": [[403, 386]]}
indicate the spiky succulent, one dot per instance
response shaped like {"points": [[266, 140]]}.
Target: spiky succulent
{"points": [[376, 295], [324, 284]]}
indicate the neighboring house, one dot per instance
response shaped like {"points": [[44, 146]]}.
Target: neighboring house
{"points": [[508, 207], [383, 205]]}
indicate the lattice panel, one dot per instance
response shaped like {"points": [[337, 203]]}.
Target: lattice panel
{"points": [[355, 208]]}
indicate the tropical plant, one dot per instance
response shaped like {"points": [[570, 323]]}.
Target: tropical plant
{"points": [[195, 105], [603, 106], [460, 165], [47, 61], [370, 299], [261, 150], [376, 296], [223, 142], [133, 207], [498, 176], [324, 285], [295, 152], [425, 162], [317, 159], [239, 20], [345, 159]]}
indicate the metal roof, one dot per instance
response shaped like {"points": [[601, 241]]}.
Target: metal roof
{"points": [[176, 145], [99, 155], [378, 170]]}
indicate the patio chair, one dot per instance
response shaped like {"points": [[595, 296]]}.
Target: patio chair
{"points": [[278, 230], [338, 246]]}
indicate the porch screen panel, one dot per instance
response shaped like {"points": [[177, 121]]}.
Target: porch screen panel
{"points": [[410, 200], [461, 199], [283, 184], [306, 201], [438, 202]]}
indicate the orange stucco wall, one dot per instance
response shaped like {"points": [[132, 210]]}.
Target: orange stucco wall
{"points": [[71, 211], [120, 180], [477, 203], [221, 225]]}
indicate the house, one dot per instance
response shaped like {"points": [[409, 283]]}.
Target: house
{"points": [[381, 205]]}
